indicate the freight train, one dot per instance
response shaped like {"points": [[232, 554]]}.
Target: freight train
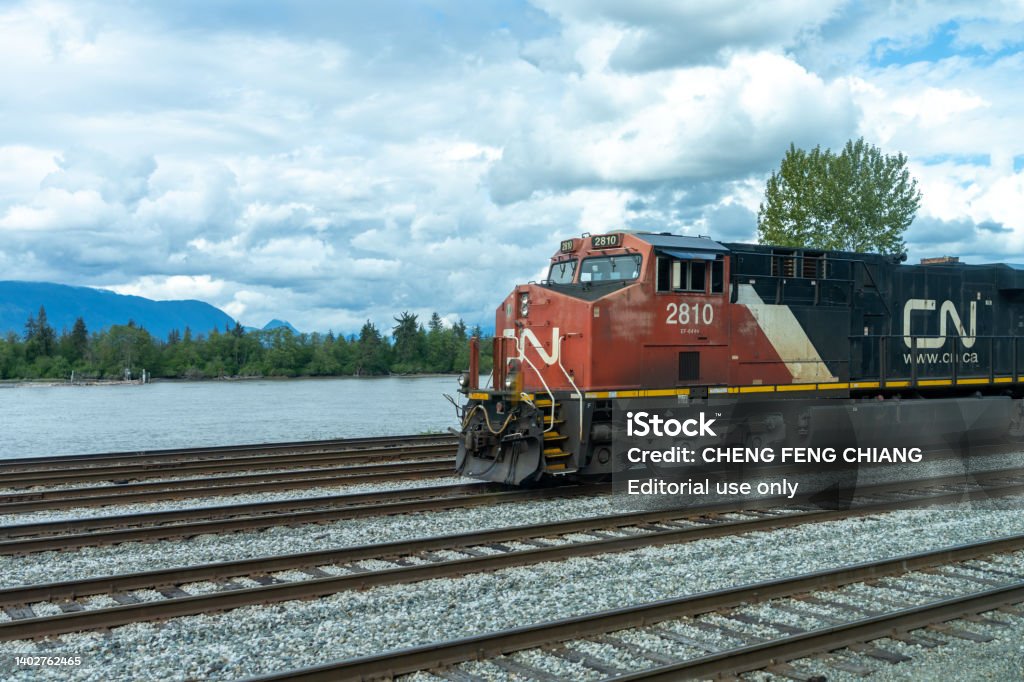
{"points": [[682, 318]]}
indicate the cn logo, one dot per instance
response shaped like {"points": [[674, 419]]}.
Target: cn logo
{"points": [[947, 313], [527, 337]]}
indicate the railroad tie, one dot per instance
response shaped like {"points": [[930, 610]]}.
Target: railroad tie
{"points": [[585, 659], [807, 613], [917, 639], [764, 622], [957, 575], [828, 603], [19, 612], [636, 650], [877, 652], [719, 630], [960, 633], [524, 670], [125, 598], [786, 670], [679, 638], [839, 663], [456, 675]]}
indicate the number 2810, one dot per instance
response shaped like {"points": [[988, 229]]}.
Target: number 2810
{"points": [[690, 313]]}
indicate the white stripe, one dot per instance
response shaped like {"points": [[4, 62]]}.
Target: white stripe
{"points": [[787, 337]]}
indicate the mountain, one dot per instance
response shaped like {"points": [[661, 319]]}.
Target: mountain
{"points": [[276, 323], [101, 309], [273, 324]]}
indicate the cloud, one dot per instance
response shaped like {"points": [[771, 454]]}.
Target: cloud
{"points": [[331, 163], [693, 125], [661, 35]]}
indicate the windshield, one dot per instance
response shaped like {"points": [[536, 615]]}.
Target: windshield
{"points": [[562, 272], [610, 268]]}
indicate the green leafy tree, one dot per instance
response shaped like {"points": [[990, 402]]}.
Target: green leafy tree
{"points": [[857, 200]]}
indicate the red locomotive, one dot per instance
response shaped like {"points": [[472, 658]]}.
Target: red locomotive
{"points": [[636, 314]]}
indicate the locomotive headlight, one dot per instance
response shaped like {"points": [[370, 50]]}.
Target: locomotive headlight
{"points": [[463, 380], [511, 374], [524, 304]]}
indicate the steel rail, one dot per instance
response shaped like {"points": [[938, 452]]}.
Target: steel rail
{"points": [[317, 587], [216, 451], [44, 477], [752, 657], [480, 647], [175, 489], [410, 500], [72, 589]]}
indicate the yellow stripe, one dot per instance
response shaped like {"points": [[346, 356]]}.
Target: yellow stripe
{"points": [[897, 384], [935, 382], [795, 387], [970, 382], [830, 387], [663, 392], [864, 384], [1004, 380], [757, 389], [479, 396], [597, 394], [629, 394]]}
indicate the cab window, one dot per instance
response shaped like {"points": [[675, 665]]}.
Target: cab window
{"points": [[610, 268], [690, 275], [562, 272]]}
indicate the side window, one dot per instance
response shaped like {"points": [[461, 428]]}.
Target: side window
{"points": [[698, 276], [664, 282], [685, 275], [718, 275]]}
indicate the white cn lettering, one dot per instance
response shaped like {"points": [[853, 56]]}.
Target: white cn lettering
{"points": [[527, 336], [946, 312]]}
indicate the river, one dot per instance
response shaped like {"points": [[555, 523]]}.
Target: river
{"points": [[60, 420]]}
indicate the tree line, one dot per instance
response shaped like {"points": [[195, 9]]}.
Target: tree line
{"points": [[412, 348]]}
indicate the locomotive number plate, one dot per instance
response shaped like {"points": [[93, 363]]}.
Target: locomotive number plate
{"points": [[568, 245], [606, 241]]}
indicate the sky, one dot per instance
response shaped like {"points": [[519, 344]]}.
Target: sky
{"points": [[328, 163]]}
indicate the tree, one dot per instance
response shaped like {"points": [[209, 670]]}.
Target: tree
{"points": [[40, 338], [77, 342], [857, 200], [371, 353], [409, 344]]}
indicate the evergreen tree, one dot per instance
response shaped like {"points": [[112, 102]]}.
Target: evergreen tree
{"points": [[79, 341], [371, 357], [409, 344]]}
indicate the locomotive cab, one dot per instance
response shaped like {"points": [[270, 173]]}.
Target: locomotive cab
{"points": [[618, 314]]}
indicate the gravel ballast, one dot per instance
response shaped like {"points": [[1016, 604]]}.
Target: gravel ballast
{"points": [[237, 499], [254, 640]]}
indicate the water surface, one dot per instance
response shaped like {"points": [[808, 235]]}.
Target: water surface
{"points": [[60, 420]]}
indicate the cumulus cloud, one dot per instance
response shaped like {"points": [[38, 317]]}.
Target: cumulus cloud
{"points": [[329, 164]]}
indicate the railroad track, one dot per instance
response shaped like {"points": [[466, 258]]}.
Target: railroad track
{"points": [[840, 613], [68, 534], [221, 451], [47, 475], [183, 488], [165, 593]]}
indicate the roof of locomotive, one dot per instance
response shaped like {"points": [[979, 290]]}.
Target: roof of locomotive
{"points": [[666, 240]]}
